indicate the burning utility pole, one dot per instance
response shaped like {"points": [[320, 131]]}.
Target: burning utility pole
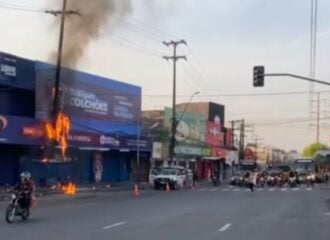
{"points": [[58, 130], [63, 13]]}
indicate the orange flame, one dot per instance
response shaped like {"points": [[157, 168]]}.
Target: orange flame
{"points": [[59, 131], [69, 189]]}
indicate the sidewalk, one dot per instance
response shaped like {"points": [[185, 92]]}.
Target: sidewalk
{"points": [[80, 189]]}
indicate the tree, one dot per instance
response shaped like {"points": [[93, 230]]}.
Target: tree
{"points": [[310, 150]]}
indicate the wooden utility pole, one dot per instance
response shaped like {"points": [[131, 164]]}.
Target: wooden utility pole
{"points": [[63, 13], [174, 58]]}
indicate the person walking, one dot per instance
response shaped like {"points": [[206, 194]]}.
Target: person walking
{"points": [[252, 180]]}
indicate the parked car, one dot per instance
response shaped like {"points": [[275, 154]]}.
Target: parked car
{"points": [[174, 177]]}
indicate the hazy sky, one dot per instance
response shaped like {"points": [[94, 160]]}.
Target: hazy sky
{"points": [[225, 39]]}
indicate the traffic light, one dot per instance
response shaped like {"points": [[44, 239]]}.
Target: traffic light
{"points": [[258, 76]]}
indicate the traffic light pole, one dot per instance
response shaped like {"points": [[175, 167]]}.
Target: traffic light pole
{"points": [[296, 76]]}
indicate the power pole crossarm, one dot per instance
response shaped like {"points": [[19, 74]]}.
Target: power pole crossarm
{"points": [[174, 58], [57, 12]]}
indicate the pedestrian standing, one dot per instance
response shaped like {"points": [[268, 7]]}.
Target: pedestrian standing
{"points": [[326, 177], [195, 178], [252, 180]]}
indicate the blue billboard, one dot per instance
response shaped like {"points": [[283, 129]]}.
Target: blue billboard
{"points": [[16, 72], [93, 103]]}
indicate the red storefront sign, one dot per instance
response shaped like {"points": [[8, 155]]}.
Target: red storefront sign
{"points": [[213, 135]]}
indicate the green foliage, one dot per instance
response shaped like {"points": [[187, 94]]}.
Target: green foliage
{"points": [[311, 149]]}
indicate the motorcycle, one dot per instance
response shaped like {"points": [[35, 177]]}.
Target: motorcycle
{"points": [[292, 182], [215, 181], [261, 181], [15, 208]]}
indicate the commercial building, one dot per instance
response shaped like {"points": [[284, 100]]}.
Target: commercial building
{"points": [[203, 142], [103, 136]]}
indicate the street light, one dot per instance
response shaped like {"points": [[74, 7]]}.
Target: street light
{"points": [[186, 107], [172, 146]]}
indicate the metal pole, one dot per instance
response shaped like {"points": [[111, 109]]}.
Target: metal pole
{"points": [[56, 103], [186, 107], [318, 119], [296, 76], [232, 133], [242, 139], [138, 150]]}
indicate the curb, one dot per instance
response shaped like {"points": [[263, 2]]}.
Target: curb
{"points": [[4, 196]]}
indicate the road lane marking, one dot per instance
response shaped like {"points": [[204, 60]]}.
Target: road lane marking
{"points": [[295, 189], [214, 189], [114, 225], [225, 190], [309, 189], [260, 189], [327, 214], [247, 190], [236, 189], [271, 189], [225, 227], [284, 189]]}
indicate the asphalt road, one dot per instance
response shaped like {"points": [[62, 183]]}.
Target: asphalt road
{"points": [[205, 213]]}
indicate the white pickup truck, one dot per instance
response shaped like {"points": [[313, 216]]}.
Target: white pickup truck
{"points": [[173, 176]]}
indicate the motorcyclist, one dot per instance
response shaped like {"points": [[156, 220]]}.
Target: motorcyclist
{"points": [[26, 188]]}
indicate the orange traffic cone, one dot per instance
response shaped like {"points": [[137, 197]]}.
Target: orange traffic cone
{"points": [[168, 187], [136, 191]]}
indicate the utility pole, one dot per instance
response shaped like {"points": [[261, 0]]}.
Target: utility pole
{"points": [[232, 132], [174, 58], [63, 13], [256, 140], [317, 124], [138, 149], [318, 119], [241, 139]]}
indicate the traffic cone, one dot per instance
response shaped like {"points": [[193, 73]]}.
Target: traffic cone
{"points": [[136, 191], [168, 187]]}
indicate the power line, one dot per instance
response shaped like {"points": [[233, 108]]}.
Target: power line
{"points": [[191, 76], [156, 34], [25, 8], [133, 28], [207, 77], [116, 38], [147, 27]]}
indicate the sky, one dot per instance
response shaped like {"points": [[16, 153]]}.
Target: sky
{"points": [[226, 38]]}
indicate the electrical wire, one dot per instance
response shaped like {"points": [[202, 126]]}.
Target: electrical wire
{"points": [[158, 34], [24, 8]]}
